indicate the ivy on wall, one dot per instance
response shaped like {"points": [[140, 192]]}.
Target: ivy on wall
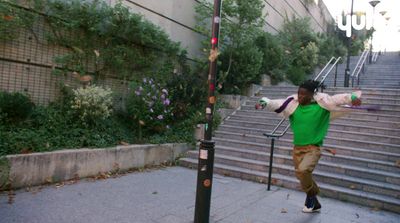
{"points": [[103, 39], [13, 19]]}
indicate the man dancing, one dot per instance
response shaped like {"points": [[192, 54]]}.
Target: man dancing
{"points": [[309, 114]]}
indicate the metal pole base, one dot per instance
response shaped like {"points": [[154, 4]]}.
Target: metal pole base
{"points": [[204, 181]]}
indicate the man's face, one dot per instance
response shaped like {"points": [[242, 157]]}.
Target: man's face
{"points": [[304, 96]]}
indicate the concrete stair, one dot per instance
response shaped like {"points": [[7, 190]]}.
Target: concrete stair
{"points": [[385, 73], [365, 166]]}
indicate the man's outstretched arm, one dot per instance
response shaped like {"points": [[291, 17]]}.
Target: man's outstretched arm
{"points": [[276, 105], [353, 99]]}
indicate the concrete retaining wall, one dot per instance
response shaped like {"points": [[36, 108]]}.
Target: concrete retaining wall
{"points": [[39, 168]]}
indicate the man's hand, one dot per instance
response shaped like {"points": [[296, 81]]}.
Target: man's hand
{"points": [[262, 103], [356, 102]]}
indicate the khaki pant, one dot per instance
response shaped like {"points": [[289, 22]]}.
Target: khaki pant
{"points": [[305, 159]]}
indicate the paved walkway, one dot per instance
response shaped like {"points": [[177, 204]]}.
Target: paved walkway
{"points": [[168, 196]]}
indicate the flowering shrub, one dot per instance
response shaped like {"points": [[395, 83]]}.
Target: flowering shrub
{"points": [[149, 105], [92, 103]]}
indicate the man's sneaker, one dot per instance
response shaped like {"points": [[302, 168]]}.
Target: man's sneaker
{"points": [[311, 205]]}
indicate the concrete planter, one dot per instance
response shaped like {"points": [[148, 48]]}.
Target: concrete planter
{"points": [[34, 169]]}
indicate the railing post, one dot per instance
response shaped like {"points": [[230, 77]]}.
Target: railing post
{"points": [[346, 77], [270, 162], [334, 83]]}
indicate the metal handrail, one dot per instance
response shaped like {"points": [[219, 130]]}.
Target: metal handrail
{"points": [[326, 65], [360, 66], [273, 135], [375, 57], [329, 71]]}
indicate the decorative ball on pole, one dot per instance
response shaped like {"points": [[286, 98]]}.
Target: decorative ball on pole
{"points": [[373, 4]]}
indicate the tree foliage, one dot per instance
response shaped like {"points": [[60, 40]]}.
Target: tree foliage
{"points": [[240, 59]]}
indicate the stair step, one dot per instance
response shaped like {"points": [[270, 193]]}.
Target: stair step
{"points": [[336, 192], [356, 114], [326, 156], [332, 133], [340, 150], [340, 175], [369, 146], [383, 110], [367, 91], [377, 102], [361, 121], [334, 126]]}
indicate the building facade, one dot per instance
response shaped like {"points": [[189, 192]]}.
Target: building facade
{"points": [[177, 17]]}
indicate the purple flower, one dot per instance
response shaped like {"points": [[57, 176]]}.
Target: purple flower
{"points": [[160, 117], [137, 93], [163, 97], [167, 102], [165, 91], [144, 80]]}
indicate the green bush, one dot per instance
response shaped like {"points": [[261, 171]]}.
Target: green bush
{"points": [[245, 63], [149, 106], [50, 128], [296, 75], [330, 46], [14, 107], [183, 131], [187, 92], [273, 61], [301, 50], [307, 57], [92, 103]]}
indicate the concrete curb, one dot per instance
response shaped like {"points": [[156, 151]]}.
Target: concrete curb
{"points": [[18, 171]]}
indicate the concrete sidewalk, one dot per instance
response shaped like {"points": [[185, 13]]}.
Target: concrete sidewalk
{"points": [[168, 196]]}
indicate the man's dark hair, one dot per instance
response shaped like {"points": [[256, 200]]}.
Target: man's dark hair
{"points": [[310, 85]]}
